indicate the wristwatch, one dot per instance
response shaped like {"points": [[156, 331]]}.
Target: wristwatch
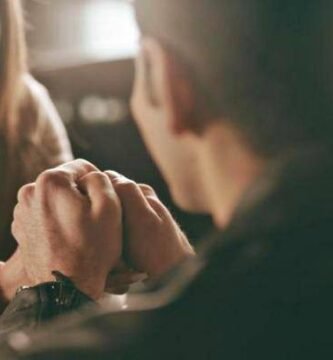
{"points": [[58, 297], [32, 306]]}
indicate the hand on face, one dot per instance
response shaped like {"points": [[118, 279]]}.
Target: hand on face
{"points": [[70, 221], [153, 243]]}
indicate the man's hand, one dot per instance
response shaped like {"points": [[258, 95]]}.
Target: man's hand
{"points": [[154, 243], [70, 221]]}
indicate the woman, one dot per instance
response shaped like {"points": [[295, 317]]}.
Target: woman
{"points": [[32, 137]]}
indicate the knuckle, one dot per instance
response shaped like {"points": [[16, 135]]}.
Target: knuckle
{"points": [[147, 188], [125, 186], [15, 230], [114, 173], [25, 192], [16, 212], [116, 177], [157, 206], [19, 217], [85, 165], [99, 176], [154, 202], [52, 178]]}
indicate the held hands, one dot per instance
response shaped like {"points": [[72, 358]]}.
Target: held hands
{"points": [[70, 220]]}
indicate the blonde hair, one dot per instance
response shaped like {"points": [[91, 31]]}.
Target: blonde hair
{"points": [[13, 67], [32, 137]]}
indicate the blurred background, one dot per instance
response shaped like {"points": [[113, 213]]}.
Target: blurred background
{"points": [[82, 51]]}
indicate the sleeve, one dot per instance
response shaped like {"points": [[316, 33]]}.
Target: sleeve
{"points": [[101, 333], [91, 333], [34, 306]]}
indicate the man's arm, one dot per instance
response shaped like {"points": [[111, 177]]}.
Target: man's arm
{"points": [[70, 223], [62, 223], [61, 227]]}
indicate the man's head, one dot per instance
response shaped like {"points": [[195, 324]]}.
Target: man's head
{"points": [[260, 68]]}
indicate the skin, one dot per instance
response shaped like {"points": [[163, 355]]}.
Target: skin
{"points": [[207, 171], [70, 219]]}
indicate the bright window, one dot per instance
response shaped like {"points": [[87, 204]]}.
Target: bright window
{"points": [[72, 31]]}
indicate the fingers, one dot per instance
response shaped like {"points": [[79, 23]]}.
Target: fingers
{"points": [[26, 193], [119, 283], [66, 174], [61, 182], [147, 190], [137, 199], [154, 201], [99, 189], [132, 198], [78, 168]]}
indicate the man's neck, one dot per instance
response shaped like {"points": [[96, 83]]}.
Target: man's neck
{"points": [[229, 169]]}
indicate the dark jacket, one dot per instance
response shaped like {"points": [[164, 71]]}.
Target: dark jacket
{"points": [[263, 289]]}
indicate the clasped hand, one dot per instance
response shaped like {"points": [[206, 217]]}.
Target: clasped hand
{"points": [[86, 224]]}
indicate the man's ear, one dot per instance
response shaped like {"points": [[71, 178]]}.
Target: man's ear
{"points": [[168, 87]]}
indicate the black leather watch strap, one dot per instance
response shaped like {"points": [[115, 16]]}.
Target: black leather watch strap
{"points": [[58, 297], [34, 305]]}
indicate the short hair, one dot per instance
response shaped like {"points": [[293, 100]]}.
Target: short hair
{"points": [[263, 65]]}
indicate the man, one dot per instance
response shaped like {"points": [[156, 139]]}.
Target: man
{"points": [[233, 99]]}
